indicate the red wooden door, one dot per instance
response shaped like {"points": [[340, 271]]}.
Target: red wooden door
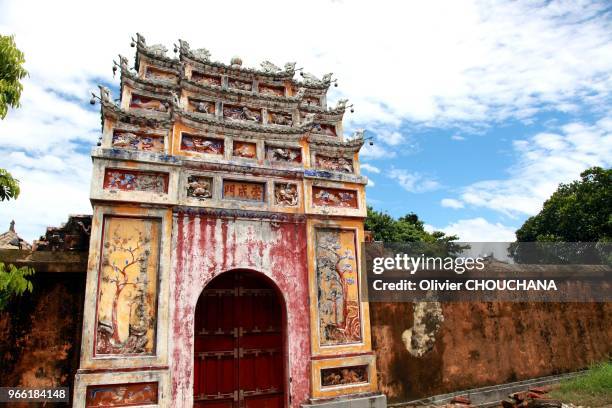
{"points": [[239, 344]]}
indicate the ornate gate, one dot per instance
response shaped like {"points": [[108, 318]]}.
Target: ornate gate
{"points": [[239, 350]]}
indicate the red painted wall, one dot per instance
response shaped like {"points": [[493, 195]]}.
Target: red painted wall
{"points": [[205, 246]]}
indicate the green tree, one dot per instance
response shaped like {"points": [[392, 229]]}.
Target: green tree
{"points": [[13, 282], [9, 186], [11, 74], [580, 211], [408, 228]]}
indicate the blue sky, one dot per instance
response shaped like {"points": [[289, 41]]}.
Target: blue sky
{"points": [[478, 110]]}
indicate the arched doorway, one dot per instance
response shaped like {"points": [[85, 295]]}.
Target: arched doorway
{"points": [[239, 343]]}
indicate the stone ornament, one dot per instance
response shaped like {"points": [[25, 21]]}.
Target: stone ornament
{"points": [[199, 187], [286, 194]]}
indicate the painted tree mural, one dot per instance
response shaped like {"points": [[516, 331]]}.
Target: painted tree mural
{"points": [[128, 286], [337, 287]]}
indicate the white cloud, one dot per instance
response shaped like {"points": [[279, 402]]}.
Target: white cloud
{"points": [[451, 203], [413, 182], [490, 61], [544, 161], [479, 230], [371, 183], [375, 152], [457, 137], [369, 167]]}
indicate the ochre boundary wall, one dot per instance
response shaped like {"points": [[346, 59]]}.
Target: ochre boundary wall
{"points": [[457, 346]]}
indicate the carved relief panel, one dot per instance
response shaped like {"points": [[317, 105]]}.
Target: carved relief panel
{"points": [[271, 90], [280, 118], [245, 149], [121, 395], [244, 190], [242, 85], [340, 164], [312, 100], [338, 307], [286, 194], [160, 75], [146, 103], [344, 375], [127, 288], [202, 144], [324, 128], [201, 106], [205, 79], [284, 154], [199, 187], [137, 141], [133, 180], [242, 113], [334, 197]]}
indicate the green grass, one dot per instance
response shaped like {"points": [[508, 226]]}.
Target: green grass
{"points": [[593, 389]]}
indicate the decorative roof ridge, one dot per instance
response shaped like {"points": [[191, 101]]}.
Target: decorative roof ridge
{"points": [[311, 81], [156, 50], [202, 56], [354, 143], [340, 108], [109, 106], [291, 99], [242, 125], [133, 76]]}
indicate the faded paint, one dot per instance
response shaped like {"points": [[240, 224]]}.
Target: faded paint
{"points": [[205, 247]]}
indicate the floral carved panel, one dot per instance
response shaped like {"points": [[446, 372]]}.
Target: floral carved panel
{"points": [[137, 141], [338, 309], [121, 395], [334, 197], [127, 289], [202, 144], [344, 375], [133, 180]]}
